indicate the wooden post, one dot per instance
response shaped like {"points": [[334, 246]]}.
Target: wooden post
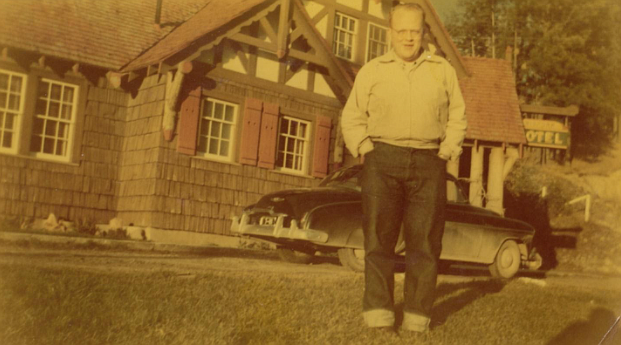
{"points": [[283, 28], [173, 87], [476, 176], [452, 167], [495, 182]]}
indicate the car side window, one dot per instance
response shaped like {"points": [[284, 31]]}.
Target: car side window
{"points": [[454, 193]]}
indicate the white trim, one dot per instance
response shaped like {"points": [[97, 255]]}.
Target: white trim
{"points": [[71, 123], [17, 122], [233, 129]]}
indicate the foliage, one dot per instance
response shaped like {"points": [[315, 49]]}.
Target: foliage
{"points": [[568, 53], [86, 226]]}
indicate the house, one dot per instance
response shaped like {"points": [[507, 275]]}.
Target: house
{"points": [[174, 115]]}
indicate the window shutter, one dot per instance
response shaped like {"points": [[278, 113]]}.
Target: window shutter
{"points": [[322, 146], [269, 135], [250, 131], [188, 122]]}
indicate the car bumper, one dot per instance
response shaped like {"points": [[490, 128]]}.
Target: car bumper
{"points": [[242, 226]]}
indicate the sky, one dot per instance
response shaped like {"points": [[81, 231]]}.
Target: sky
{"points": [[444, 7]]}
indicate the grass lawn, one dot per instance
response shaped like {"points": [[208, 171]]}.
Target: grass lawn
{"points": [[75, 306]]}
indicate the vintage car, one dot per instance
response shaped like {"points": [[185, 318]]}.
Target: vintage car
{"points": [[328, 219]]}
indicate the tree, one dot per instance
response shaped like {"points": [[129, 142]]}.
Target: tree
{"points": [[568, 52]]}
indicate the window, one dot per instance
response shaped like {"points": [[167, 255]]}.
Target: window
{"points": [[344, 34], [54, 120], [12, 86], [216, 129], [293, 137], [378, 42]]}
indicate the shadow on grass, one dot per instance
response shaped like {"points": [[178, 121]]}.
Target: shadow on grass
{"points": [[602, 328], [454, 297]]}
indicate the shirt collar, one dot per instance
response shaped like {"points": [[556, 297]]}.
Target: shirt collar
{"points": [[391, 56]]}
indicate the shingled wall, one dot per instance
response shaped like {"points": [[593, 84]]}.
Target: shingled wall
{"points": [[164, 189], [77, 191]]}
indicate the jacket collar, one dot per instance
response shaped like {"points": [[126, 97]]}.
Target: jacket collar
{"points": [[391, 56]]}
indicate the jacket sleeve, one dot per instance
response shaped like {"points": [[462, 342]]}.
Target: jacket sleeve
{"points": [[456, 124], [354, 117]]}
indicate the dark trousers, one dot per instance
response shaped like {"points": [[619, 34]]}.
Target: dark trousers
{"points": [[402, 186]]}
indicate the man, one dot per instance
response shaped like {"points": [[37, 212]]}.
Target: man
{"points": [[405, 115]]}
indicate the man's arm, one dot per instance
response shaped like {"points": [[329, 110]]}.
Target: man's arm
{"points": [[354, 118], [450, 147]]}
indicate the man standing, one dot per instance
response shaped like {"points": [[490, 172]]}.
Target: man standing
{"points": [[405, 115]]}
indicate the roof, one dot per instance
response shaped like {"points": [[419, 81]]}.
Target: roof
{"points": [[105, 33], [492, 105], [209, 19]]}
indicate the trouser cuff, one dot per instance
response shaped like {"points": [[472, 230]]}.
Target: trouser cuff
{"points": [[379, 318], [415, 322]]}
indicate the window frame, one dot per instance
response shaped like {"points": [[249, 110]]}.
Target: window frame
{"points": [[233, 135], [17, 123], [338, 29], [307, 153], [34, 74], [71, 123], [368, 40]]}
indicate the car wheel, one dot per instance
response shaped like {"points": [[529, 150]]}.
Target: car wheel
{"points": [[507, 261], [294, 256], [352, 258]]}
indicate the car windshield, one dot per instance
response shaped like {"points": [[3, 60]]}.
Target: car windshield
{"points": [[345, 178]]}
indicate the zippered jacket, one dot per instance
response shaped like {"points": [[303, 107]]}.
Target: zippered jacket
{"points": [[417, 105]]}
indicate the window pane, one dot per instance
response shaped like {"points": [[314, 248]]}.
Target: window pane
{"points": [[66, 112], [289, 161], [224, 148], [62, 130], [218, 111], [215, 129], [68, 94], [60, 147], [280, 159], [294, 128], [48, 145], [13, 102], [6, 139], [8, 123], [4, 81], [302, 132], [290, 144], [16, 84], [54, 110], [56, 90], [226, 131], [50, 128], [213, 146], [207, 109], [229, 114], [2, 120], [281, 142], [284, 125], [3, 97]]}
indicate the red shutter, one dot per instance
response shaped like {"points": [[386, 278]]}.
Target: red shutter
{"points": [[322, 146], [188, 122], [250, 131], [269, 134]]}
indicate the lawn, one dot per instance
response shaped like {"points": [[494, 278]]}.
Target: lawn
{"points": [[75, 306]]}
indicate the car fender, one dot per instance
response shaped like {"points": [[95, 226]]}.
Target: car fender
{"points": [[342, 221]]}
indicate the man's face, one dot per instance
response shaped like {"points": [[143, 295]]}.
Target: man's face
{"points": [[407, 33]]}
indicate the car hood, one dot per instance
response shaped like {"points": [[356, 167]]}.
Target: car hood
{"points": [[296, 202]]}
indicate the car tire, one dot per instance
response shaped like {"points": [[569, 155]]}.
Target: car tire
{"points": [[294, 256], [507, 262], [352, 259]]}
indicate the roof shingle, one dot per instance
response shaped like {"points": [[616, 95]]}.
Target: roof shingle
{"points": [[492, 105]]}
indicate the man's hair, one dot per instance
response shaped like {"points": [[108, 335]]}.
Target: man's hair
{"points": [[406, 7]]}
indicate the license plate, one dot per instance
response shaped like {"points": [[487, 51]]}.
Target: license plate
{"points": [[268, 220]]}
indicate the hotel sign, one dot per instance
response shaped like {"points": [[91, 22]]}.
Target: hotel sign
{"points": [[546, 133]]}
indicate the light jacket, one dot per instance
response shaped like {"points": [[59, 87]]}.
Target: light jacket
{"points": [[418, 105]]}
